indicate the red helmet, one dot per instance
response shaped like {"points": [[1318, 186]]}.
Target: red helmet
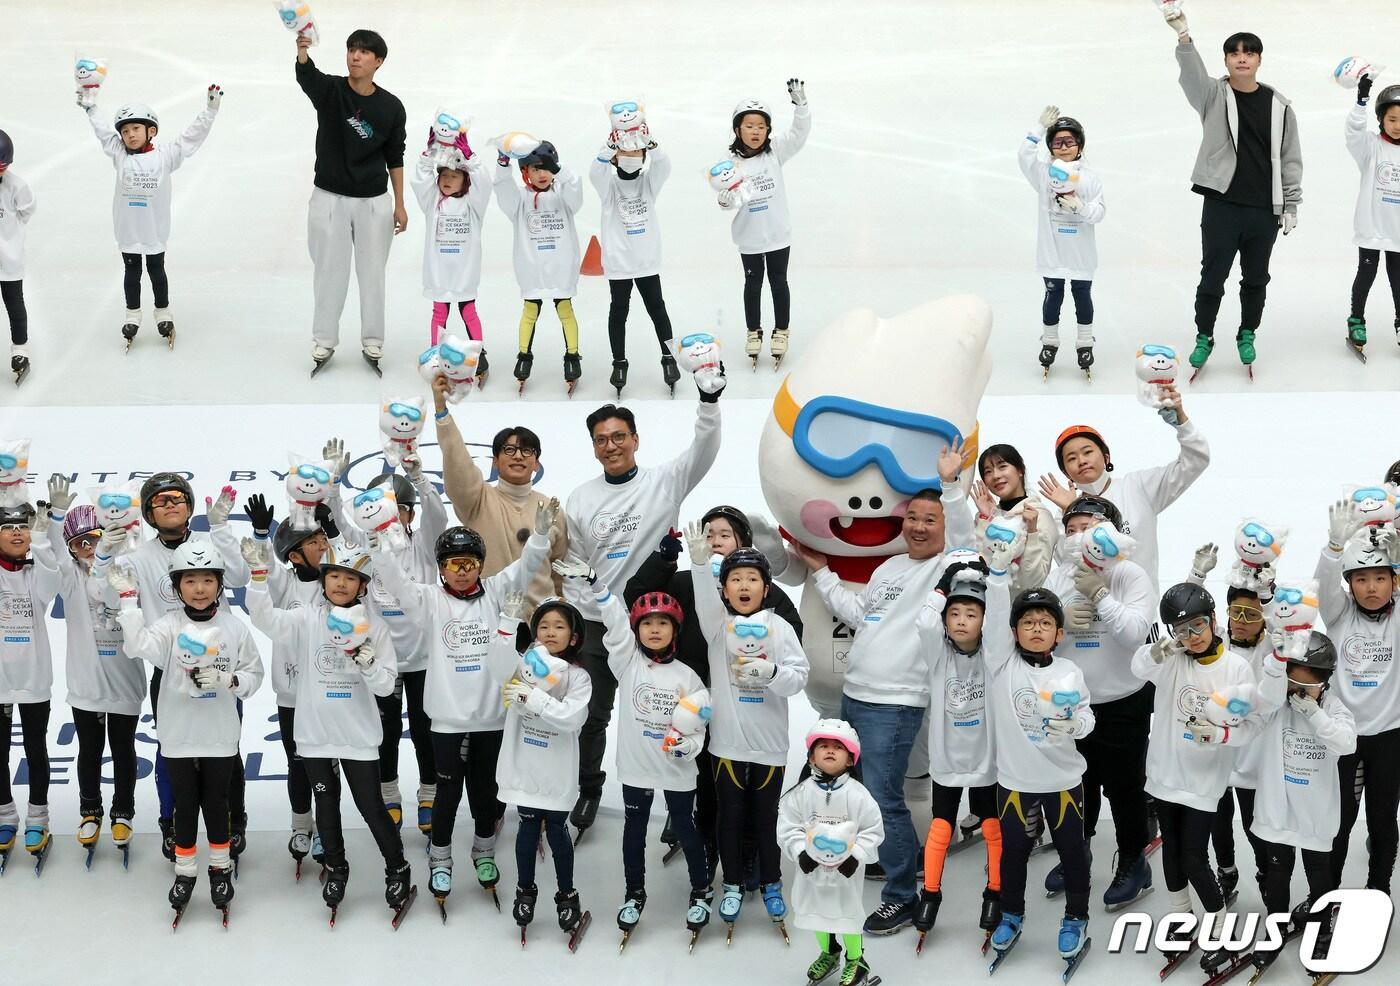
{"points": [[657, 602]]}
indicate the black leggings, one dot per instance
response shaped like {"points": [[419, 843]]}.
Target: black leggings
{"points": [[1185, 835], [1278, 875], [1055, 299], [1366, 266], [747, 796], [34, 722], [201, 785], [12, 294], [468, 758], [1222, 832], [131, 279], [1064, 817], [95, 730], [527, 840], [419, 728], [363, 778], [636, 804], [298, 784], [777, 262], [1376, 756], [650, 290], [1115, 762]]}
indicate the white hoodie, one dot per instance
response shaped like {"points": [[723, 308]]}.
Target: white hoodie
{"points": [[1064, 239], [824, 900], [1366, 678], [546, 253], [451, 230], [287, 591], [26, 663]]}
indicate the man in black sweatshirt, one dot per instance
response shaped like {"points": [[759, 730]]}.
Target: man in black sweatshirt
{"points": [[359, 139]]}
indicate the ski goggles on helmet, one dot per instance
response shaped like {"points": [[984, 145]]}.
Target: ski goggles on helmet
{"points": [[115, 501], [408, 411], [461, 563], [307, 471], [197, 648], [695, 339], [1259, 534], [838, 436], [627, 107], [336, 625], [756, 630]]}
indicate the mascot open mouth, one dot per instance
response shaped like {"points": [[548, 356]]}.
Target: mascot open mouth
{"points": [[866, 532]]}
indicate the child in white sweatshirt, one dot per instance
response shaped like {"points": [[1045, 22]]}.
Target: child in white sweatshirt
{"points": [[546, 692], [453, 197], [16, 208], [1377, 218]]}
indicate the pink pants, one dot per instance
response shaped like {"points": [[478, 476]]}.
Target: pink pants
{"points": [[441, 309]]}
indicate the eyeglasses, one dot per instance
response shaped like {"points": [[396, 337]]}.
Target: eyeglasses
{"points": [[618, 438], [1064, 142], [165, 500], [459, 565], [523, 451], [1189, 628], [1245, 614], [1036, 623]]}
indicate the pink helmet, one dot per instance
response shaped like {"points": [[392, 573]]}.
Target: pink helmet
{"points": [[79, 520], [838, 730], [657, 603]]}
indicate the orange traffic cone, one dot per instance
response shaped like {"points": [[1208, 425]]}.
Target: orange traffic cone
{"points": [[592, 265]]}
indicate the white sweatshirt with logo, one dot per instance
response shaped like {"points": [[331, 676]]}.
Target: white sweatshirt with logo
{"points": [[1246, 772], [452, 230], [1064, 238], [16, 208], [546, 255], [1377, 216], [825, 900], [630, 230], [287, 592], [26, 663], [149, 565], [763, 224], [1122, 620], [1366, 679], [1028, 759]]}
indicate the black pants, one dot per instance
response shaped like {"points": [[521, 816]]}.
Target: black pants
{"points": [[34, 723], [363, 778], [706, 802], [298, 784], [470, 759], [1366, 264], [1377, 756], [419, 728], [12, 294], [1228, 229], [1185, 835], [593, 737], [1055, 298], [554, 824], [747, 794], [1222, 832], [95, 731], [201, 786], [636, 804], [1115, 762], [777, 264], [237, 801], [1064, 817], [131, 279], [650, 290], [1278, 875]]}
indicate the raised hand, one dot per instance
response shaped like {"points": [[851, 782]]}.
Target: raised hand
{"points": [[60, 494], [697, 542], [334, 453], [1342, 522], [1204, 560], [255, 553], [546, 514], [573, 568], [217, 511], [1048, 116], [950, 461], [797, 92], [1051, 488], [259, 513], [513, 605]]}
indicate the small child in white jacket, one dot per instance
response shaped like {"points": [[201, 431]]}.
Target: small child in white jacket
{"points": [[16, 208], [453, 198], [1377, 217]]}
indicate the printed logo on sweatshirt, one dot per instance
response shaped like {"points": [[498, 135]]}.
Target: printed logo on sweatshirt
{"points": [[1026, 703], [964, 699], [614, 532], [1388, 182], [1366, 660], [1190, 700], [16, 610], [1304, 757], [166, 591], [330, 660], [654, 705], [360, 125]]}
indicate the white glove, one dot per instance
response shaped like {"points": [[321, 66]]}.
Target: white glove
{"points": [[60, 495], [1385, 539], [217, 511], [697, 542], [726, 198], [86, 98], [334, 453], [1304, 705], [413, 468], [1342, 523], [215, 95], [767, 540], [796, 92], [1048, 116], [211, 678], [1167, 649], [1000, 554], [111, 541], [685, 748], [256, 555], [1204, 731], [753, 670], [1060, 728], [123, 583], [513, 606], [1204, 561], [545, 516], [1263, 586], [364, 656], [1176, 20], [1070, 203], [516, 692], [1079, 616], [572, 568], [39, 522], [1089, 583], [1287, 222]]}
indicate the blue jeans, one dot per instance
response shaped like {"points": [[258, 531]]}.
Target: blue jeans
{"points": [[886, 738]]}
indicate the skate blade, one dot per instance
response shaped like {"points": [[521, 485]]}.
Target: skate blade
{"points": [[298, 872], [39, 859], [175, 925], [494, 898], [1072, 965], [1357, 350], [373, 365], [442, 908], [694, 937], [87, 863], [1114, 908], [570, 385], [782, 928], [579, 835], [1045, 376], [576, 936], [997, 960], [1152, 846], [319, 367], [126, 858], [919, 945], [399, 912], [333, 910], [225, 910], [1250, 370], [671, 852], [19, 377], [729, 935], [986, 942], [623, 944]]}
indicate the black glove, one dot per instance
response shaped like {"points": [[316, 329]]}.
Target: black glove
{"points": [[670, 547], [259, 513], [713, 398], [849, 867], [945, 581], [807, 863], [1363, 90], [326, 519]]}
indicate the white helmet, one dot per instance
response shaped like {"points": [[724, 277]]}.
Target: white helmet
{"points": [[135, 113], [1363, 552], [348, 556], [752, 106], [196, 555], [835, 729]]}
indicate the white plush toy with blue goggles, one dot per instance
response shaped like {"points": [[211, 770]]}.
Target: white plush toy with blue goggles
{"points": [[309, 483], [400, 423], [1156, 367], [1064, 176], [198, 647], [376, 512], [1290, 616], [296, 17], [449, 132], [454, 358], [88, 76], [1059, 700], [1258, 545], [540, 668], [1374, 505], [728, 176], [1003, 543], [1230, 706], [831, 843], [1103, 546], [690, 717], [14, 467], [628, 119], [746, 640], [698, 354], [119, 505], [347, 627]]}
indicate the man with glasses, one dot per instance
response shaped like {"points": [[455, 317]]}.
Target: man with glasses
{"points": [[614, 520]]}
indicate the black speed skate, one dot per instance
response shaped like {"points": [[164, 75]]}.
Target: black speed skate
{"points": [[523, 364], [399, 891], [237, 838], [523, 910], [482, 369], [221, 889], [180, 894], [1086, 360], [1047, 358], [573, 369], [619, 375], [19, 366], [167, 838], [573, 920], [333, 888], [165, 325], [131, 326], [670, 373], [1356, 337], [925, 915]]}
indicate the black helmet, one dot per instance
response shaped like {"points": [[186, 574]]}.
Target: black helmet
{"points": [[1067, 123], [404, 493], [1087, 504], [1392, 475], [164, 482], [571, 614], [746, 558], [1185, 601], [7, 149], [544, 156], [1321, 655], [737, 520], [288, 539], [20, 514], [457, 541], [1389, 96], [1038, 598]]}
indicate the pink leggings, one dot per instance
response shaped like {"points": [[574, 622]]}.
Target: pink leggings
{"points": [[441, 309]]}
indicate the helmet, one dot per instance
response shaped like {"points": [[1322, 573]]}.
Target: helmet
{"points": [[746, 558], [1067, 123], [288, 538], [1389, 96], [1039, 598], [457, 541], [554, 604], [1079, 431], [1094, 506], [967, 592], [164, 482], [1363, 552], [196, 555], [348, 557], [738, 520], [17, 515], [746, 106], [1392, 475], [404, 493], [1321, 654], [835, 729], [7, 149], [1185, 601], [656, 602], [135, 113], [79, 520], [544, 156]]}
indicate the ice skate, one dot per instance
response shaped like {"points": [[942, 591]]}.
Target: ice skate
{"points": [[167, 838], [19, 363], [1085, 355], [483, 368], [1229, 880], [399, 891], [320, 355], [857, 973], [573, 920], [440, 883], [38, 842], [629, 915], [670, 373], [523, 363], [753, 346], [1244, 343], [1074, 944], [1055, 879], [777, 907], [180, 893], [1131, 880], [731, 901], [165, 325], [523, 910], [697, 915], [237, 838], [221, 889], [778, 346], [925, 915], [671, 842], [1356, 337], [1047, 358], [826, 963], [1175, 959], [372, 355], [333, 888], [1004, 939], [1204, 346], [131, 326], [990, 917], [299, 845], [488, 876], [121, 837], [573, 369], [619, 375], [584, 812], [426, 795]]}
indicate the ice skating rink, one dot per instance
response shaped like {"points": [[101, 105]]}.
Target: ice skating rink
{"points": [[907, 190]]}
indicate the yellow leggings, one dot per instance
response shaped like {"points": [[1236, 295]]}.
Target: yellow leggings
{"points": [[530, 314]]}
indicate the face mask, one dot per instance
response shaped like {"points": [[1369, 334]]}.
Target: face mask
{"points": [[631, 165], [1097, 486]]}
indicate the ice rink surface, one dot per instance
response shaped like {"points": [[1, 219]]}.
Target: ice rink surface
{"points": [[907, 190]]}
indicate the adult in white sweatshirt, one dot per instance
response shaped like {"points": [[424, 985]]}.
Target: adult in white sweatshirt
{"points": [[453, 198], [614, 520], [1376, 221], [999, 493]]}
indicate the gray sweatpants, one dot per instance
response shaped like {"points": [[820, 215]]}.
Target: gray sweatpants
{"points": [[336, 226]]}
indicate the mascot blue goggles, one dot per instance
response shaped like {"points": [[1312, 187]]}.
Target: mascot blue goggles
{"points": [[695, 338], [1369, 493], [756, 630], [1064, 699], [627, 107], [336, 624], [1155, 350], [722, 167], [8, 461], [1257, 533], [1293, 597], [1237, 707], [537, 665], [995, 532], [369, 496], [448, 120], [828, 845], [1105, 543], [308, 471], [114, 501], [454, 356], [405, 411], [193, 646]]}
